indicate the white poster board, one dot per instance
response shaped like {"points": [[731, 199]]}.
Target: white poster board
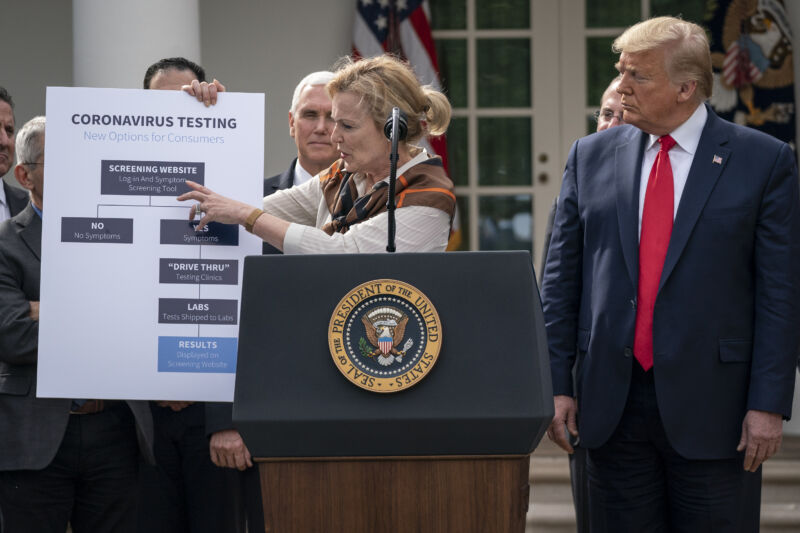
{"points": [[135, 304]]}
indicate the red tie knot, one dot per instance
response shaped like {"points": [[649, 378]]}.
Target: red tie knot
{"points": [[667, 143]]}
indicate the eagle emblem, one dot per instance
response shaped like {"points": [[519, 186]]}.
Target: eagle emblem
{"points": [[385, 328], [755, 55], [384, 335]]}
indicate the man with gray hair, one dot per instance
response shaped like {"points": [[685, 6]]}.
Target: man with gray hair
{"points": [[63, 460], [12, 199], [310, 125], [672, 286]]}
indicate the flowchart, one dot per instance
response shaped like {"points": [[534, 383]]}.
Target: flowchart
{"points": [[167, 178]]}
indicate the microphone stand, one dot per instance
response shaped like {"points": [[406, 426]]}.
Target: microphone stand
{"points": [[393, 157]]}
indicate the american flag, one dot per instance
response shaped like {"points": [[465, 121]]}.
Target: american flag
{"points": [[737, 68], [400, 27]]}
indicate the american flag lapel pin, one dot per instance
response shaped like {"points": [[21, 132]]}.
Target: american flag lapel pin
{"points": [[717, 160]]}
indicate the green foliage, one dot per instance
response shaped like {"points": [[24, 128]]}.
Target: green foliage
{"points": [[364, 347]]}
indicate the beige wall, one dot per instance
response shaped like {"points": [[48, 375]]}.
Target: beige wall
{"points": [[36, 44], [268, 47]]}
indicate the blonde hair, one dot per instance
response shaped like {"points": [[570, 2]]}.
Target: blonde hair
{"points": [[687, 53], [384, 82]]}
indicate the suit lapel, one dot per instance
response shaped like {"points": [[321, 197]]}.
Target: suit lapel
{"points": [[287, 178], [30, 230], [16, 198], [627, 173], [703, 175]]}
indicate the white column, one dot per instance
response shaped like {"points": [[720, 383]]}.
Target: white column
{"points": [[116, 40]]}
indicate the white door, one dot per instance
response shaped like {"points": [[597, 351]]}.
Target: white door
{"points": [[525, 77]]}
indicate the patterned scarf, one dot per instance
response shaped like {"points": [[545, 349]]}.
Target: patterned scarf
{"points": [[424, 184]]}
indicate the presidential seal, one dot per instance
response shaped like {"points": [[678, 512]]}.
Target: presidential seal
{"points": [[385, 335]]}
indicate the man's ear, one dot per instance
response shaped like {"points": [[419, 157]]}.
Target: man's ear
{"points": [[686, 91], [291, 125], [21, 173]]}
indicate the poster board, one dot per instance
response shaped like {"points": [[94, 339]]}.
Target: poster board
{"points": [[135, 303]]}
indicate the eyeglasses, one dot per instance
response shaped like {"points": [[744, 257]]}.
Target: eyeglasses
{"points": [[35, 163], [606, 115]]}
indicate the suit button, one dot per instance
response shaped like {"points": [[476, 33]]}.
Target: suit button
{"points": [[633, 303], [628, 352]]}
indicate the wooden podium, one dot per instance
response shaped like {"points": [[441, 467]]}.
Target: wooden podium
{"points": [[449, 454], [394, 494]]}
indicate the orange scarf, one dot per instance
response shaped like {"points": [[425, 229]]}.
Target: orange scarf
{"points": [[424, 184]]}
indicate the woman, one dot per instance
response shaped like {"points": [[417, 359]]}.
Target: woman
{"points": [[344, 209]]}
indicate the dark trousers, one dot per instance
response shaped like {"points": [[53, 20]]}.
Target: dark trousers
{"points": [[90, 483], [185, 492], [639, 483], [580, 488]]}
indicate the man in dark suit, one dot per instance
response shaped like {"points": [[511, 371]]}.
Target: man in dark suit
{"points": [[186, 491], [672, 285], [60, 459], [608, 116], [12, 199]]}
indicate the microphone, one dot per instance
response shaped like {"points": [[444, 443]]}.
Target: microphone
{"points": [[395, 129], [402, 126]]}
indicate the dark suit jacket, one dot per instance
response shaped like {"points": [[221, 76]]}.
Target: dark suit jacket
{"points": [[277, 183], [31, 429], [218, 414], [548, 234], [726, 317], [16, 198]]}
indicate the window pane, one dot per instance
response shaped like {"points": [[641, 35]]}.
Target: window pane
{"points": [[502, 14], [504, 72], [448, 14], [506, 222], [457, 151], [504, 151], [600, 61], [690, 10], [452, 57], [613, 13], [459, 239]]}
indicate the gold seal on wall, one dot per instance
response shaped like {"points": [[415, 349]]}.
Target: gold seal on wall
{"points": [[385, 335]]}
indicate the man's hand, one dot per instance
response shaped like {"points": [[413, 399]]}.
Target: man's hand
{"points": [[566, 415], [175, 406], [204, 92], [228, 450], [34, 314], [762, 433]]}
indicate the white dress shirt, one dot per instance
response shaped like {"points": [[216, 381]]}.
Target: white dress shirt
{"points": [[418, 228], [301, 175], [5, 211], [687, 137]]}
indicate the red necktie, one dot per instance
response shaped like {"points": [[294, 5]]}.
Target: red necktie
{"points": [[653, 243]]}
